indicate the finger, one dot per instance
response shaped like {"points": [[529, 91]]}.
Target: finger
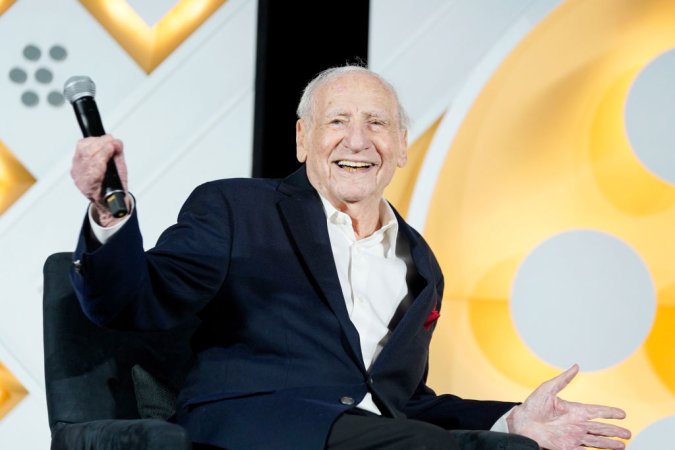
{"points": [[608, 430], [94, 140], [94, 164], [118, 146], [118, 152], [596, 411], [602, 442], [92, 147], [90, 157], [558, 383], [89, 164]]}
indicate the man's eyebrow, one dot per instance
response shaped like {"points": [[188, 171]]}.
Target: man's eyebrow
{"points": [[376, 115], [381, 115], [337, 112]]}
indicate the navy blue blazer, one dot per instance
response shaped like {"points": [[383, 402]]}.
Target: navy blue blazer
{"points": [[278, 359]]}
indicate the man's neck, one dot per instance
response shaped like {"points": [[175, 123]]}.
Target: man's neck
{"points": [[366, 218]]}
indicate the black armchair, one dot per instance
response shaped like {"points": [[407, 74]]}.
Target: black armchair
{"points": [[108, 389], [113, 390]]}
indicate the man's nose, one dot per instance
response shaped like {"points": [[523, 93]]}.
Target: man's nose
{"points": [[357, 138]]}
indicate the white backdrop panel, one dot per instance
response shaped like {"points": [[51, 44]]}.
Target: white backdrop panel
{"points": [[187, 122]]}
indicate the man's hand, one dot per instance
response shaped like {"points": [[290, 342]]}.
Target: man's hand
{"points": [[561, 425], [89, 164]]}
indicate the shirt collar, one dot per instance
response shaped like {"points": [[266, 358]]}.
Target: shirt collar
{"points": [[387, 233]]}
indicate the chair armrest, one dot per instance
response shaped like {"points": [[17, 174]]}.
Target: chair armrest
{"points": [[146, 434]]}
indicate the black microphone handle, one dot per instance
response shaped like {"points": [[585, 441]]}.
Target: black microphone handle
{"points": [[91, 125], [88, 117], [113, 192]]}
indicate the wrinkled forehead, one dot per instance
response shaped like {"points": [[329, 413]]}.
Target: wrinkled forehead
{"points": [[354, 93]]}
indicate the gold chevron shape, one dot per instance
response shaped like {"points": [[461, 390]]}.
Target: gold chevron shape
{"points": [[15, 179], [11, 391], [149, 46], [5, 4]]}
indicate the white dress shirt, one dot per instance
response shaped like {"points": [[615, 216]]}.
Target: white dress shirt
{"points": [[372, 278], [372, 273], [105, 233]]}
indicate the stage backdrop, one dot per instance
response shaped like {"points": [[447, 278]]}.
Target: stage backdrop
{"points": [[542, 174], [175, 81]]}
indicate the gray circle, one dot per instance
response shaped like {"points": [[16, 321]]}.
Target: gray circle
{"points": [[18, 75], [58, 53], [55, 98], [655, 435], [584, 297], [32, 52], [30, 98], [649, 113], [43, 75]]}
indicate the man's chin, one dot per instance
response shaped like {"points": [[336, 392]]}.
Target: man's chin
{"points": [[353, 198]]}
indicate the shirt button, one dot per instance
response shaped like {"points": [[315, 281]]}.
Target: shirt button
{"points": [[347, 401], [77, 264]]}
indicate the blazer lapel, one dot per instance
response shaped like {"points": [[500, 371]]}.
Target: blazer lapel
{"points": [[303, 213], [409, 320]]}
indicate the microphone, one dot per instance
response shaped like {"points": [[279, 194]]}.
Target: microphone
{"points": [[80, 92]]}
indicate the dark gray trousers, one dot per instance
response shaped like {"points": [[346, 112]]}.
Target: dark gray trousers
{"points": [[363, 431]]}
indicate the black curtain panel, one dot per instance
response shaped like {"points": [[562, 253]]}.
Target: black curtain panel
{"points": [[297, 40]]}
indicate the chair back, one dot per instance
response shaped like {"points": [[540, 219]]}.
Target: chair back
{"points": [[88, 369]]}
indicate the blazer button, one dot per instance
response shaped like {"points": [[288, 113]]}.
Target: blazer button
{"points": [[347, 401]]}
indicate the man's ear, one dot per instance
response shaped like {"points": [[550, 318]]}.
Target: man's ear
{"points": [[300, 150], [403, 155]]}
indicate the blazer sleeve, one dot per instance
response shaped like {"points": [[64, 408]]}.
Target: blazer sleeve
{"points": [[452, 412], [120, 285]]}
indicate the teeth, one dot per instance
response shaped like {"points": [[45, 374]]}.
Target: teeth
{"points": [[353, 164]]}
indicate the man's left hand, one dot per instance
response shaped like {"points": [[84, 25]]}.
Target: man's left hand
{"points": [[557, 424]]}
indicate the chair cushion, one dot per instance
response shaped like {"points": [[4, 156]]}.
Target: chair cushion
{"points": [[135, 434], [154, 399]]}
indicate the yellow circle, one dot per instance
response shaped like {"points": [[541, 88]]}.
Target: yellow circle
{"points": [[544, 150]]}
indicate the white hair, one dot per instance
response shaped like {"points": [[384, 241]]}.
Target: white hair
{"points": [[306, 106]]}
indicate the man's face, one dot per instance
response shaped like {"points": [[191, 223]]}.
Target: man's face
{"points": [[353, 142]]}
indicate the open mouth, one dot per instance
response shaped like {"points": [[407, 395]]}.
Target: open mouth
{"points": [[354, 166]]}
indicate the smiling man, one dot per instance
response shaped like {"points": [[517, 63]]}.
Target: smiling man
{"points": [[317, 301]]}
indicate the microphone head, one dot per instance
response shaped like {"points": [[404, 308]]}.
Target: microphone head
{"points": [[77, 87]]}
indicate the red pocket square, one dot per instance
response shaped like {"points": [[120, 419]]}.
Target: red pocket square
{"points": [[433, 317]]}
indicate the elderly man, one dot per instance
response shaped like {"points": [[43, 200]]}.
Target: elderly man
{"points": [[317, 300]]}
